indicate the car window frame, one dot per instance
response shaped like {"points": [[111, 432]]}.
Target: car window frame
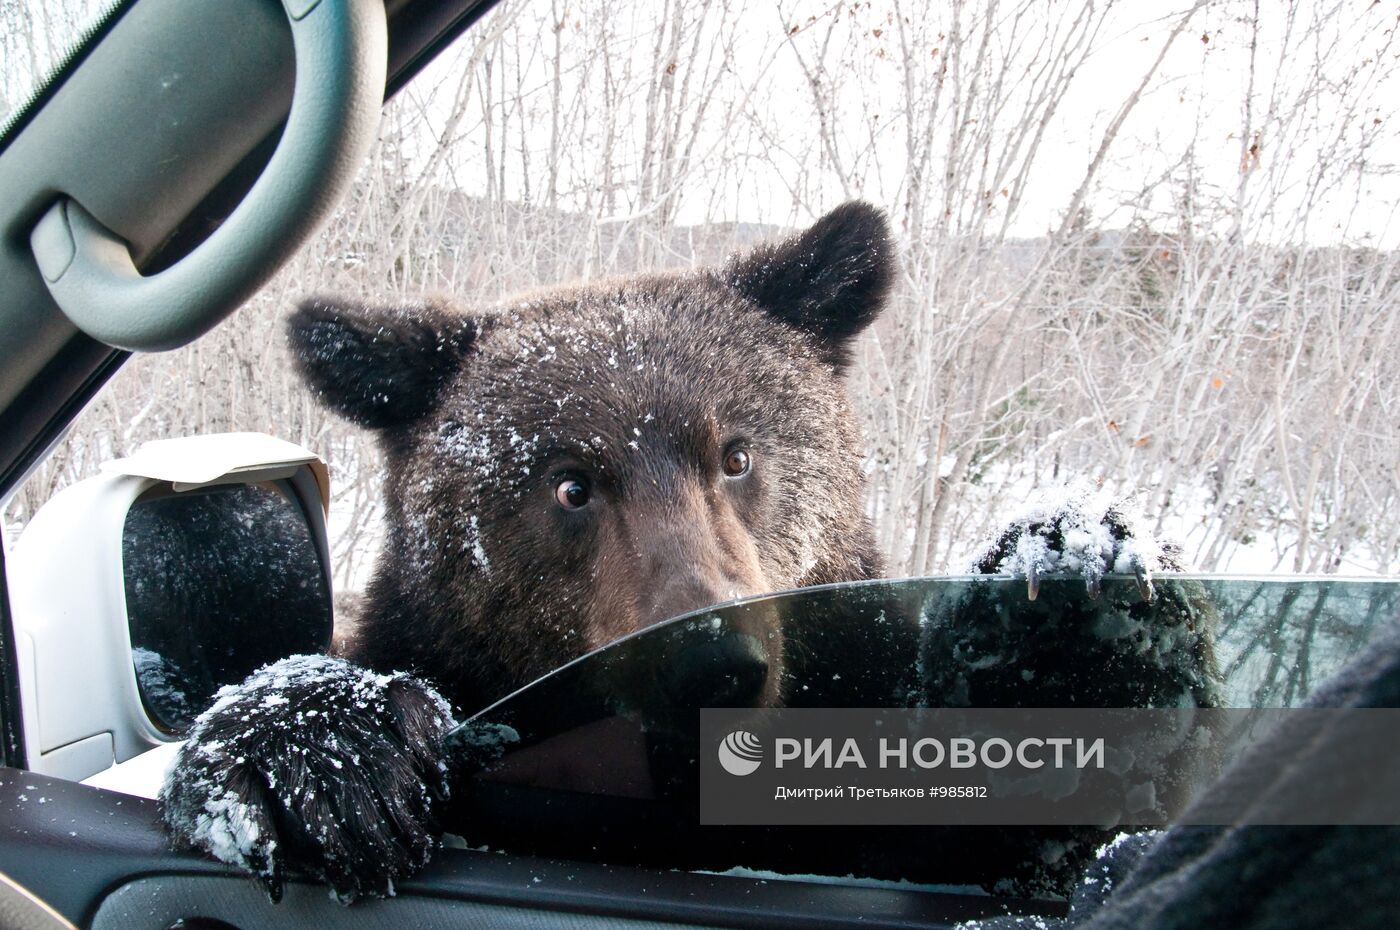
{"points": [[12, 751]]}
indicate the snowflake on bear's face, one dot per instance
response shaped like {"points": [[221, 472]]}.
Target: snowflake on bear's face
{"points": [[568, 468]]}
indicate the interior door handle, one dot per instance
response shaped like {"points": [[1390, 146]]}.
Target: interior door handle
{"points": [[341, 49]]}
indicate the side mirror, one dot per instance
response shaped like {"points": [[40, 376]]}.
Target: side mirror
{"points": [[219, 581], [140, 592]]}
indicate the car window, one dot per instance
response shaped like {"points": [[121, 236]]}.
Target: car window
{"points": [[1081, 295], [600, 760]]}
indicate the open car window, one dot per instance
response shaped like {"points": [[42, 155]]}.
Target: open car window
{"points": [[600, 761], [1136, 342], [1081, 293]]}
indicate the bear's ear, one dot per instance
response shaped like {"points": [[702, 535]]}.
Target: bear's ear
{"points": [[379, 367], [830, 281]]}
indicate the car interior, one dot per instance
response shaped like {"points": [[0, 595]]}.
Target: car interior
{"points": [[180, 155]]}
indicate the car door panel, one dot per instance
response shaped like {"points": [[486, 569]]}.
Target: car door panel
{"points": [[102, 860]]}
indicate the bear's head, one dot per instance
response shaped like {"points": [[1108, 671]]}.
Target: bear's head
{"points": [[574, 465]]}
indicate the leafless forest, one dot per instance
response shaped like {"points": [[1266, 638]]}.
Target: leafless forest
{"points": [[1165, 268]]}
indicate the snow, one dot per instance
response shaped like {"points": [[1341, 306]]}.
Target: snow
{"points": [[1082, 517], [226, 830], [478, 551]]}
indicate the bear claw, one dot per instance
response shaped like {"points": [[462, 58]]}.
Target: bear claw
{"points": [[1144, 581]]}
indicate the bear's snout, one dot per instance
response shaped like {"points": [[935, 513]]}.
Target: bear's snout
{"points": [[685, 589], [731, 664], [679, 552]]}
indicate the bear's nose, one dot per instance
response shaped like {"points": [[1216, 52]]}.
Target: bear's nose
{"points": [[728, 671]]}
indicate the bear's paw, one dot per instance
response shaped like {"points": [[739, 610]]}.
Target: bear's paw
{"points": [[1116, 647], [317, 766], [1078, 532]]}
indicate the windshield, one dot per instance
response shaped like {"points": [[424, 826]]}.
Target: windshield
{"points": [[600, 758]]}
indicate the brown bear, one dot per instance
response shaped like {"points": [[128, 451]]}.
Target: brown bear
{"points": [[563, 470], [600, 458]]}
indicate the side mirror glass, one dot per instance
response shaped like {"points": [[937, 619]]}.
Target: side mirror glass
{"points": [[219, 581]]}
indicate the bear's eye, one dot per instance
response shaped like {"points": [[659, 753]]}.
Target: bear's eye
{"points": [[737, 463], [571, 493]]}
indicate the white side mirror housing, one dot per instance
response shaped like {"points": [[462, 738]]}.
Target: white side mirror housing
{"points": [[83, 708]]}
